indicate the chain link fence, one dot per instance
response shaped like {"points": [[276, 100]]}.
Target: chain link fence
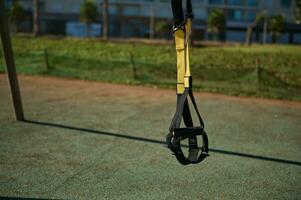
{"points": [[253, 81]]}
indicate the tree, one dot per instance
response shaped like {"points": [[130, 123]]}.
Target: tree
{"points": [[36, 18], [162, 28], [261, 19], [105, 19], [16, 14], [277, 26], [249, 35], [216, 23], [88, 13], [298, 11]]}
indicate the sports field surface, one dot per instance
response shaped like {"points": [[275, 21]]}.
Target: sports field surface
{"points": [[91, 140]]}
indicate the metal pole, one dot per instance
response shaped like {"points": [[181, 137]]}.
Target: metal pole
{"points": [[36, 18], [152, 22], [105, 19], [10, 64], [265, 30]]}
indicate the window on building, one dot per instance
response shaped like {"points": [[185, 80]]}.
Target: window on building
{"points": [[131, 11], [252, 2], [268, 3], [196, 1], [236, 15], [215, 1], [236, 2], [8, 3], [56, 7], [286, 3], [141, 0], [250, 16], [201, 14], [113, 10], [42, 6], [75, 8]]}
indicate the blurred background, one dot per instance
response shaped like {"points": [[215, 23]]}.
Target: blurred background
{"points": [[239, 47], [153, 18], [95, 140]]}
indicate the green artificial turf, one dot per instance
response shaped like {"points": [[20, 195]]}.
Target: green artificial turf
{"points": [[88, 140]]}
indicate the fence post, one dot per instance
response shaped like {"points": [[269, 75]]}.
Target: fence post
{"points": [[133, 65], [105, 19], [152, 22], [10, 64], [258, 74], [46, 59]]}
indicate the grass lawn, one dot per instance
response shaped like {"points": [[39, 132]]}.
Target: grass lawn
{"points": [[272, 71]]}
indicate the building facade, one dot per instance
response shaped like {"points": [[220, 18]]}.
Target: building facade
{"points": [[138, 18]]}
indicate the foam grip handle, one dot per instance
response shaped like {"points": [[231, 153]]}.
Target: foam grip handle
{"points": [[188, 132]]}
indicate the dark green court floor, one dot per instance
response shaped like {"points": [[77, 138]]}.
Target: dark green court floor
{"points": [[88, 140]]}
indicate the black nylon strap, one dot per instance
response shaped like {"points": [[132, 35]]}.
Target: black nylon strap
{"points": [[177, 10], [189, 131], [183, 110], [173, 139], [176, 121], [188, 6], [196, 108], [176, 134], [192, 139], [187, 115], [176, 149], [189, 10]]}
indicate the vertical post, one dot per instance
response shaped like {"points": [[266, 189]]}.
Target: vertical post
{"points": [[258, 74], [265, 30], [105, 19], [46, 59], [291, 37], [10, 64], [249, 35], [133, 65], [152, 22], [36, 18]]}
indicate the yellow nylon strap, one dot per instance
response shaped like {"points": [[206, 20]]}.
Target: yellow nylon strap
{"points": [[183, 65], [180, 48], [187, 72]]}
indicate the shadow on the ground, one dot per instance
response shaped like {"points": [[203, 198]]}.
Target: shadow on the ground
{"points": [[142, 139], [22, 198]]}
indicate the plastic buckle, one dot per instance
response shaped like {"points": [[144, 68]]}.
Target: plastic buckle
{"points": [[180, 26]]}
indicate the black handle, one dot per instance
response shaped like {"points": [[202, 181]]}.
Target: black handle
{"points": [[188, 132]]}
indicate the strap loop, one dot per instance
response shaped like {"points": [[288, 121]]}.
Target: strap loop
{"points": [[181, 30], [177, 134]]}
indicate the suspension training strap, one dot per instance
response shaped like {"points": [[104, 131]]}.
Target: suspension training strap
{"points": [[177, 11], [176, 134]]}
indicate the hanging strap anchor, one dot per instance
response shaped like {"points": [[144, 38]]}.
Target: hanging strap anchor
{"points": [[176, 134]]}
